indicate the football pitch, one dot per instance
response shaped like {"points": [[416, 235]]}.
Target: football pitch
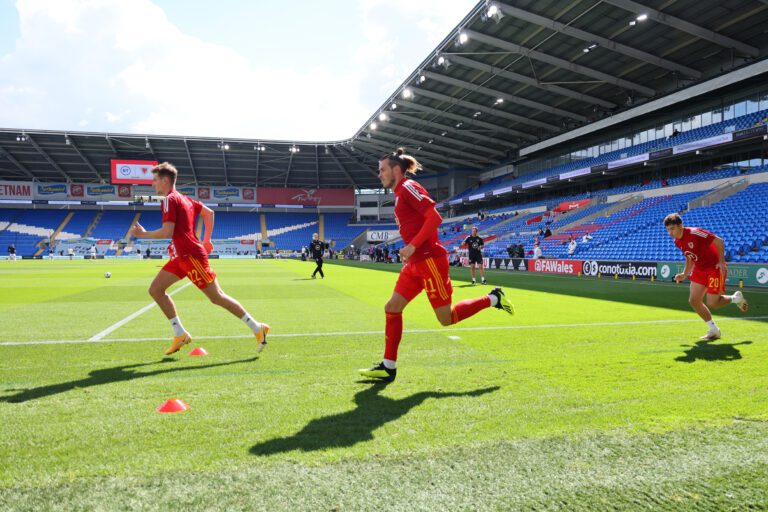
{"points": [[596, 395]]}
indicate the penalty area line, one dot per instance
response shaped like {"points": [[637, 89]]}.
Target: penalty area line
{"points": [[109, 330], [381, 332]]}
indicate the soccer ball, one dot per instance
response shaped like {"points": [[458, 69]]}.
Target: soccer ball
{"points": [[107, 275]]}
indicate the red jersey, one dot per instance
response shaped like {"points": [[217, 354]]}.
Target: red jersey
{"points": [[696, 243], [412, 203], [183, 211]]}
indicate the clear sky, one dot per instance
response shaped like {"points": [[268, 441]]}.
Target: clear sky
{"points": [[294, 70]]}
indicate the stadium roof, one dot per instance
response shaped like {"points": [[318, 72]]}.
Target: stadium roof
{"points": [[510, 75]]}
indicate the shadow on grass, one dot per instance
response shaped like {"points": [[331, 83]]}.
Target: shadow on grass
{"points": [[643, 293], [107, 376], [349, 428], [703, 351]]}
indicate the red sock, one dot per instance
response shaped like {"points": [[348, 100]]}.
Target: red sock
{"points": [[393, 334], [469, 307]]}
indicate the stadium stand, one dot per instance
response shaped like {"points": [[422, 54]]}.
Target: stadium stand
{"points": [[291, 231], [236, 225], [25, 228], [80, 221], [337, 230], [712, 130], [114, 225]]}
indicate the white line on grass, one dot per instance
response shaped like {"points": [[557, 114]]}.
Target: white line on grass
{"points": [[114, 327], [380, 333]]}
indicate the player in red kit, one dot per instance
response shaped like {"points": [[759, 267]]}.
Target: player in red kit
{"points": [[189, 258], [426, 262], [705, 266]]}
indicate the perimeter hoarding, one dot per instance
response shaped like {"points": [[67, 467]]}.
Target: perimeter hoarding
{"points": [[749, 274]]}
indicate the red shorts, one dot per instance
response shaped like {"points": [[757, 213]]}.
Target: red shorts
{"points": [[430, 274], [196, 268], [712, 278]]}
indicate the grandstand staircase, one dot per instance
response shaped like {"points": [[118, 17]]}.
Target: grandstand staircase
{"points": [[128, 234], [617, 207], [360, 240], [96, 220], [263, 223], [722, 192], [59, 229], [581, 221], [491, 229]]}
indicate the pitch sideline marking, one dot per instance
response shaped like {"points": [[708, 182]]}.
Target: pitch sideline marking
{"points": [[99, 337], [371, 333]]}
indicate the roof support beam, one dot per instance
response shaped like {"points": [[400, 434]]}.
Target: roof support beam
{"points": [[471, 121], [555, 89], [380, 149], [490, 110], [561, 63], [224, 160], [556, 26], [445, 127], [685, 26], [148, 146], [317, 165], [359, 161], [398, 139], [189, 157], [111, 145], [341, 168], [535, 105], [48, 158], [17, 164], [437, 156], [82, 156], [258, 165], [416, 133], [288, 171]]}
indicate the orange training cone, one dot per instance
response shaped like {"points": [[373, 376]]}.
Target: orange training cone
{"points": [[199, 351], [173, 405]]}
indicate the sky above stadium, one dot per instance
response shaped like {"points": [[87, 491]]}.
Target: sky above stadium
{"points": [[298, 70]]}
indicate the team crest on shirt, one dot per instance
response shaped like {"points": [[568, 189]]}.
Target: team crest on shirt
{"points": [[690, 245]]}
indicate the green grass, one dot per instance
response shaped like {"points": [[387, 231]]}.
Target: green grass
{"points": [[582, 401]]}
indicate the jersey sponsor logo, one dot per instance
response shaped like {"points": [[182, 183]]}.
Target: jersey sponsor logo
{"points": [[689, 254]]}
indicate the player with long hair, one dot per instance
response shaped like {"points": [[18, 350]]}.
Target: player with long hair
{"points": [[425, 262]]}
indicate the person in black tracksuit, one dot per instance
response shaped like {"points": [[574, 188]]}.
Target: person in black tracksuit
{"points": [[475, 245], [316, 250]]}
